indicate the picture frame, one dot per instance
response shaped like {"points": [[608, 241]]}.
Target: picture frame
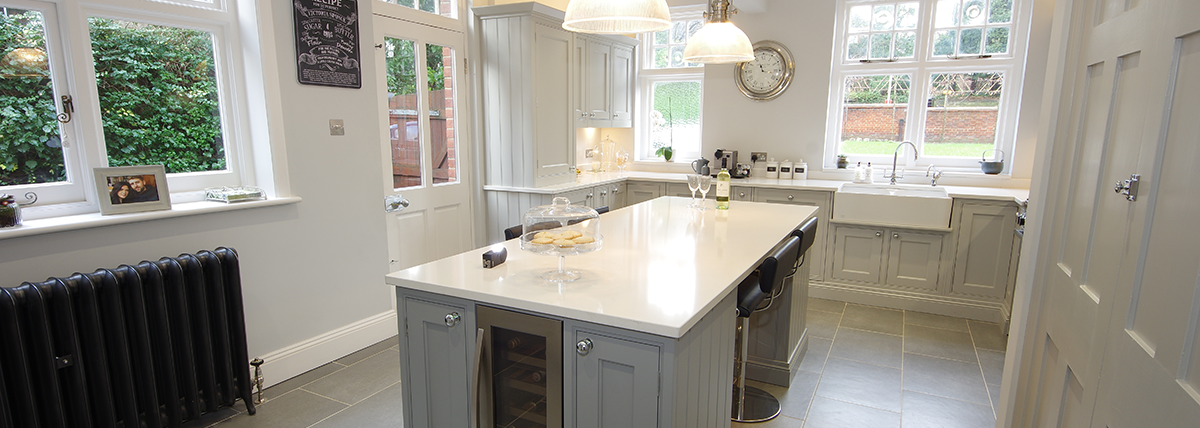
{"points": [[117, 189]]}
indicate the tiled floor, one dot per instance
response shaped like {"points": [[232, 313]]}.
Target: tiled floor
{"points": [[865, 367], [880, 368]]}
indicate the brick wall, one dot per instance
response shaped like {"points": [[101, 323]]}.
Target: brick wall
{"points": [[886, 122]]}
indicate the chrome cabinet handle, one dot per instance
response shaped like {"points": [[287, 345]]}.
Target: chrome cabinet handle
{"points": [[878, 233], [895, 236], [790, 197], [584, 347], [452, 319], [741, 194]]}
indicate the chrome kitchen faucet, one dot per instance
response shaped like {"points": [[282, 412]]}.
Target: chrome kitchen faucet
{"points": [[893, 176]]}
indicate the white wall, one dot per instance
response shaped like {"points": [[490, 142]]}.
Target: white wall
{"points": [[307, 269]]}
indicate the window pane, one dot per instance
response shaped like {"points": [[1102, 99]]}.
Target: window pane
{"points": [[158, 95], [662, 37], [873, 113], [403, 125], [973, 12], [884, 18], [970, 41], [693, 27], [675, 120], [947, 14], [442, 135], [668, 45], [856, 47], [860, 19], [881, 46], [997, 40], [961, 119], [906, 16], [943, 42], [440, 7], [1001, 12], [30, 144], [661, 57], [906, 44], [679, 32], [677, 57]]}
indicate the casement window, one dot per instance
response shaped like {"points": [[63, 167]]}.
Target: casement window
{"points": [[120, 83], [670, 91], [943, 74]]}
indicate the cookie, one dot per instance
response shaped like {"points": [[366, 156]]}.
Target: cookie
{"points": [[543, 235], [584, 240], [572, 233], [564, 243], [542, 241]]}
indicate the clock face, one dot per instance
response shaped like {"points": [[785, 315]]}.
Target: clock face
{"points": [[768, 74]]}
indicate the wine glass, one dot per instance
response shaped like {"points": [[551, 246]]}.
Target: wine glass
{"points": [[694, 185], [705, 184]]}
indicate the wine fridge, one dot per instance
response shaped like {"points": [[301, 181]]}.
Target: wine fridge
{"points": [[520, 370]]}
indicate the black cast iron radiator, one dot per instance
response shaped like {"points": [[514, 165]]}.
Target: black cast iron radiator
{"points": [[151, 345]]}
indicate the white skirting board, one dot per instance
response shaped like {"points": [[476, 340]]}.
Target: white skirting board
{"points": [[294, 360]]}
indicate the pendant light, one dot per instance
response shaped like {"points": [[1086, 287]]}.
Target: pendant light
{"points": [[617, 16], [719, 41]]}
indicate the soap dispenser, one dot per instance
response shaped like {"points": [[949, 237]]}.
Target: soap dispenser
{"points": [[870, 174], [859, 173]]}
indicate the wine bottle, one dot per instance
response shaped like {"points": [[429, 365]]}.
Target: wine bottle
{"points": [[723, 189]]}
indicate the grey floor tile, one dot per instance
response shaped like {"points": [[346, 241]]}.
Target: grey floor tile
{"points": [[927, 411], [947, 378], [868, 347], [871, 318], [936, 321], [379, 410], [212, 418], [301, 380], [369, 351], [988, 335], [994, 394], [815, 304], [861, 383], [827, 413], [822, 324], [793, 400], [814, 358], [992, 363], [939, 343], [299, 408], [779, 422], [361, 380]]}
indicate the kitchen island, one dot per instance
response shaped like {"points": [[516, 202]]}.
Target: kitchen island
{"points": [[646, 332]]}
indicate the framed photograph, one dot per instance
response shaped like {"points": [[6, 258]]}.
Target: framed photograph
{"points": [[131, 189]]}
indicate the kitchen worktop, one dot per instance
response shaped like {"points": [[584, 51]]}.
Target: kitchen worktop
{"points": [[663, 266], [588, 179]]}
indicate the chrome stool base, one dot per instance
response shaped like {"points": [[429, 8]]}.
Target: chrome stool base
{"points": [[757, 406]]}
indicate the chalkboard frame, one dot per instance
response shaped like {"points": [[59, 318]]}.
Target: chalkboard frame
{"points": [[327, 43]]}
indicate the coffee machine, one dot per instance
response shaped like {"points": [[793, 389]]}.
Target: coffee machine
{"points": [[727, 159]]}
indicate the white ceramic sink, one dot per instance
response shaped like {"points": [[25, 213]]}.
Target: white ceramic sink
{"points": [[897, 205]]}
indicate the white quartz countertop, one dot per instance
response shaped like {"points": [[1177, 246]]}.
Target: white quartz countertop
{"points": [[663, 266], [589, 179]]}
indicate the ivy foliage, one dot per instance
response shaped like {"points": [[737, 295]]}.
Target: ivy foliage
{"points": [[30, 147], [401, 63]]}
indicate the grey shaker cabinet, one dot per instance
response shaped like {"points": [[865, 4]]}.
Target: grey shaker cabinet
{"points": [[616, 380], [984, 255], [914, 260], [642, 191], [895, 258], [436, 359], [857, 254]]}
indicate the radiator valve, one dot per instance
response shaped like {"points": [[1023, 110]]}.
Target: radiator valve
{"points": [[258, 380]]}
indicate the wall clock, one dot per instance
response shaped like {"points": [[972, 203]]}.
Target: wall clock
{"points": [[768, 75]]}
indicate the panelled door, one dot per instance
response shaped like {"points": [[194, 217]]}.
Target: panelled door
{"points": [[1116, 339], [427, 182]]}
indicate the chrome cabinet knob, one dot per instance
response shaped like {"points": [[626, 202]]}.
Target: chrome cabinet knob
{"points": [[452, 319], [741, 194], [790, 197], [584, 347], [602, 193], [616, 190], [878, 233], [895, 236]]}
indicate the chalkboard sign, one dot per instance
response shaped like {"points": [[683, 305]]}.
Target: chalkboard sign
{"points": [[327, 43]]}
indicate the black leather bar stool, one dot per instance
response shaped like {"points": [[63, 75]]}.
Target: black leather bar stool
{"points": [[751, 404]]}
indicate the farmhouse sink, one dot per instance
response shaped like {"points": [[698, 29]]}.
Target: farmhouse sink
{"points": [[893, 205]]}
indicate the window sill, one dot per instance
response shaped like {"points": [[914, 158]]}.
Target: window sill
{"points": [[91, 220]]}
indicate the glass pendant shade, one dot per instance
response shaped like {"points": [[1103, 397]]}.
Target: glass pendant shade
{"points": [[719, 43], [617, 16]]}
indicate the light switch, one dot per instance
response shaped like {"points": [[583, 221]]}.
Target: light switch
{"points": [[337, 127]]}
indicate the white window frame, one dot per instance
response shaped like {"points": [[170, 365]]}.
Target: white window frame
{"points": [[921, 67], [647, 77], [74, 74]]}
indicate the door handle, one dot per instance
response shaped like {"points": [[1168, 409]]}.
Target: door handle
{"points": [[394, 203], [1129, 187]]}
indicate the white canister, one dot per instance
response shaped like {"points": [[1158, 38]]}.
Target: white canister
{"points": [[800, 170], [785, 170], [772, 169]]}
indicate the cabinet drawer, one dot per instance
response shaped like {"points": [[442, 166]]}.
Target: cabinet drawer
{"points": [[741, 193]]}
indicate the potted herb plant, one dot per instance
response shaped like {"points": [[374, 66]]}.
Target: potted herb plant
{"points": [[842, 163]]}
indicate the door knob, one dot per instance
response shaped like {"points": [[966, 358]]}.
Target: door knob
{"points": [[394, 203], [584, 347]]}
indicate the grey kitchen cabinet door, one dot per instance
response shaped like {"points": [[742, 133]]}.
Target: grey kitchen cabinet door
{"points": [[578, 196], [439, 339], [642, 191], [616, 381], [914, 260], [985, 239], [857, 254], [616, 195], [624, 78], [682, 190]]}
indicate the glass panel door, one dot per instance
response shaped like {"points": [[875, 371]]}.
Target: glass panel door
{"points": [[439, 64], [519, 378], [404, 126]]}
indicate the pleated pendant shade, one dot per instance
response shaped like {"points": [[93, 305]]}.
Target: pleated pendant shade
{"points": [[617, 16]]}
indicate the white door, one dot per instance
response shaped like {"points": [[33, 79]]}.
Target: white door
{"points": [[425, 141], [1114, 345]]}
